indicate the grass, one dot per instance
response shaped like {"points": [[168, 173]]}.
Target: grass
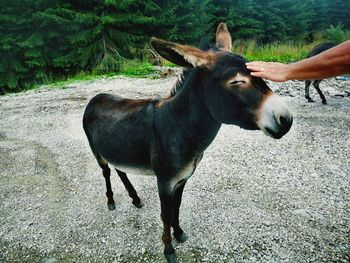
{"points": [[130, 68], [136, 68], [82, 76], [288, 52], [278, 52]]}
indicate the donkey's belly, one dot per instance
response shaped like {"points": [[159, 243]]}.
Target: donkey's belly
{"points": [[135, 170], [128, 152]]}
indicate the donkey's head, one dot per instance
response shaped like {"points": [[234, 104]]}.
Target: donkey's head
{"points": [[232, 95]]}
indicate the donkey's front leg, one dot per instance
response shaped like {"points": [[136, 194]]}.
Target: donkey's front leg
{"points": [[167, 205], [178, 232]]}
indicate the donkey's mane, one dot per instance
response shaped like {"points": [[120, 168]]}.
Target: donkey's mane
{"points": [[179, 84], [180, 81]]}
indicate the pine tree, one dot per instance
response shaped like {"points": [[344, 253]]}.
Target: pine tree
{"points": [[339, 12], [17, 44], [242, 20], [103, 32], [317, 14], [219, 12], [296, 16], [190, 21], [182, 21], [273, 26], [257, 19], [28, 42]]}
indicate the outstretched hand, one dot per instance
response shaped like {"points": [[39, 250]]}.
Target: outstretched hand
{"points": [[270, 70], [330, 63]]}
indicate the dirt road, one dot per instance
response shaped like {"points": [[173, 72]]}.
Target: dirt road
{"points": [[251, 199]]}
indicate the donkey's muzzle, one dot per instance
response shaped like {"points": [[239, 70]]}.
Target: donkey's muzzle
{"points": [[282, 125], [275, 119]]}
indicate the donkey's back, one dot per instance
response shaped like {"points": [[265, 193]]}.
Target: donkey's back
{"points": [[320, 48]]}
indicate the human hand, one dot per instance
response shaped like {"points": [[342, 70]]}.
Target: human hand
{"points": [[270, 70]]}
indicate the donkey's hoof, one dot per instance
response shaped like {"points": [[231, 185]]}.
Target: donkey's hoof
{"points": [[111, 206], [182, 238], [324, 102], [170, 258], [138, 204], [310, 100]]}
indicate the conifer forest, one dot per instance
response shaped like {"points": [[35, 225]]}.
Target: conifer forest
{"points": [[46, 40]]}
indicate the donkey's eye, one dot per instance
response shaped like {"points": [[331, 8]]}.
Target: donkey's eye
{"points": [[236, 82]]}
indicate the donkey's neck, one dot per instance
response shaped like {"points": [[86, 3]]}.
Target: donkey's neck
{"points": [[189, 110]]}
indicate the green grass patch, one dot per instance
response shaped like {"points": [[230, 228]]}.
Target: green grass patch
{"points": [[278, 52], [136, 68], [167, 63], [80, 77], [129, 68]]}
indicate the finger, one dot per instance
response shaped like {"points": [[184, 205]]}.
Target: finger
{"points": [[271, 65], [256, 68], [257, 74], [256, 64], [267, 75]]}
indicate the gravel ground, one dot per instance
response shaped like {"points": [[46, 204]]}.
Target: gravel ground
{"points": [[251, 199]]}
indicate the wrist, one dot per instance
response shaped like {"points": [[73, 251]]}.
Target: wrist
{"points": [[288, 75]]}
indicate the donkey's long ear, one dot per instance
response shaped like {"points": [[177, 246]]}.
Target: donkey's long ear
{"points": [[182, 55], [223, 38]]}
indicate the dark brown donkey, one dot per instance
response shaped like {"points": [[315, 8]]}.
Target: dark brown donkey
{"points": [[167, 137], [316, 83]]}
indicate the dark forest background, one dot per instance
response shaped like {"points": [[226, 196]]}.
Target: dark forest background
{"points": [[44, 40]]}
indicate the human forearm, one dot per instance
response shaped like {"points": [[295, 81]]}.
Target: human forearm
{"points": [[331, 63]]}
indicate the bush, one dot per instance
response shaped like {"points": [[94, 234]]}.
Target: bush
{"points": [[336, 34]]}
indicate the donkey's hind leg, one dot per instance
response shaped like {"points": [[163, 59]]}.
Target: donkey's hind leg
{"points": [[131, 190], [107, 174], [316, 84], [307, 91]]}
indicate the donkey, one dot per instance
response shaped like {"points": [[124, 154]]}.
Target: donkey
{"points": [[167, 137], [316, 83]]}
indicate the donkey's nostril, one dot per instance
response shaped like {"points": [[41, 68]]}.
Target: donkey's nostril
{"points": [[286, 122], [283, 121]]}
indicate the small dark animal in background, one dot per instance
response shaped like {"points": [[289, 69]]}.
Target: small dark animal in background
{"points": [[167, 137], [316, 83]]}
